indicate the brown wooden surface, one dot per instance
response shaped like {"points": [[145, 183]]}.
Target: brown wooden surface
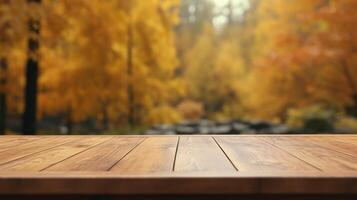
{"points": [[185, 165], [153, 155], [201, 154], [323, 157]]}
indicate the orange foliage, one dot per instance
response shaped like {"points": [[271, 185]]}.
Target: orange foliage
{"points": [[100, 58], [191, 110]]}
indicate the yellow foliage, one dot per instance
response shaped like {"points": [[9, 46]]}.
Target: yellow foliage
{"points": [[101, 58], [84, 59], [163, 115], [191, 110]]}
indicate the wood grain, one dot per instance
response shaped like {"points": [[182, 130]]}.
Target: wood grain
{"points": [[155, 154], [99, 158], [16, 152], [344, 146], [324, 158], [7, 143], [178, 165], [252, 154], [44, 159], [201, 154]]}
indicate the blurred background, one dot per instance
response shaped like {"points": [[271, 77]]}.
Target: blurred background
{"points": [[178, 66]]}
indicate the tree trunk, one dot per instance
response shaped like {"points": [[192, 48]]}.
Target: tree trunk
{"points": [[130, 89], [32, 69], [3, 72]]}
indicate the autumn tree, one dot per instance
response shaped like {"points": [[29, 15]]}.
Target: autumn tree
{"points": [[215, 64], [334, 46], [3, 70], [84, 62], [280, 73], [136, 63], [32, 68], [3, 65], [154, 59], [11, 37], [195, 16], [101, 68]]}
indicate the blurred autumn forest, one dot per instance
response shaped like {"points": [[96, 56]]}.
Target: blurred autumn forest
{"points": [[117, 66]]}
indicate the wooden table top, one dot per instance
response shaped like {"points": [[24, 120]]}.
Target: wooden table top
{"points": [[298, 164]]}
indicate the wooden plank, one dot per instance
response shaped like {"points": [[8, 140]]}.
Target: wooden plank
{"points": [[4, 140], [43, 143], [155, 154], [44, 159], [7, 139], [346, 139], [7, 143], [275, 171], [321, 157], [186, 184], [337, 144], [253, 154], [100, 158], [201, 154]]}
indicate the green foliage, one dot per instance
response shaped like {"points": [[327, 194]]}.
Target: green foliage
{"points": [[346, 123], [316, 118]]}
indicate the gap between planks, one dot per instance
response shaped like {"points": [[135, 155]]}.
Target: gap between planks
{"points": [[235, 167], [175, 158], [282, 149], [91, 147], [139, 143], [319, 155], [31, 146]]}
